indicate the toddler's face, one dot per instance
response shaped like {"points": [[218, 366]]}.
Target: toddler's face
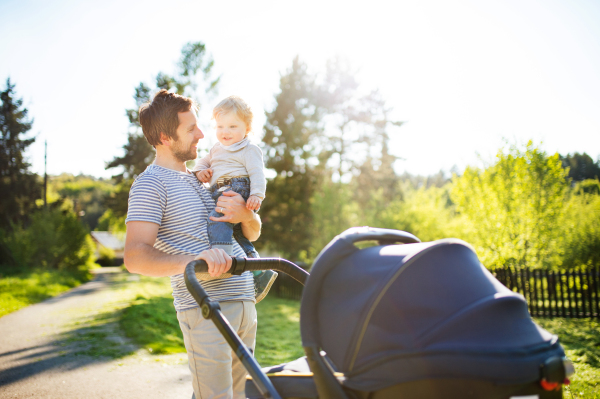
{"points": [[230, 128]]}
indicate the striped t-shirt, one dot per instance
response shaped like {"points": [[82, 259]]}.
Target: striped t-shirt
{"points": [[180, 205]]}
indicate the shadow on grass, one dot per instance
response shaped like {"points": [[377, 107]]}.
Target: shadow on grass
{"points": [[152, 322]]}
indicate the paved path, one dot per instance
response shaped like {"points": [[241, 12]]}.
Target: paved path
{"points": [[45, 352]]}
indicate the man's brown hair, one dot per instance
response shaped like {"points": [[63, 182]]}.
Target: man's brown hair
{"points": [[160, 115]]}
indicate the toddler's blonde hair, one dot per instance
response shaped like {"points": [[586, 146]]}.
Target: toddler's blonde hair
{"points": [[237, 105]]}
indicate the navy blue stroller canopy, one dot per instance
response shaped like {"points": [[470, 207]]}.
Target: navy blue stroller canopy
{"points": [[390, 314]]}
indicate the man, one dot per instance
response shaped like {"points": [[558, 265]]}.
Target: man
{"points": [[167, 228]]}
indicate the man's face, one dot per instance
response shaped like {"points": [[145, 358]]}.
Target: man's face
{"points": [[188, 133]]}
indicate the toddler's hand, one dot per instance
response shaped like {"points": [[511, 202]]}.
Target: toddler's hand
{"points": [[204, 175], [253, 203]]}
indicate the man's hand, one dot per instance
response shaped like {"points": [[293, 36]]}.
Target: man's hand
{"points": [[204, 175], [233, 208], [218, 261], [253, 203]]}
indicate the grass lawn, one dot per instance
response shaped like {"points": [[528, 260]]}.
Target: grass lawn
{"points": [[26, 287], [150, 321]]}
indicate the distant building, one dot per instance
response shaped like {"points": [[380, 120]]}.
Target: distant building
{"points": [[113, 243]]}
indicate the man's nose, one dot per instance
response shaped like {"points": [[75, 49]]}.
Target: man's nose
{"points": [[199, 133]]}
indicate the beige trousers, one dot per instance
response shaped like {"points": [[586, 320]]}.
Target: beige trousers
{"points": [[216, 371]]}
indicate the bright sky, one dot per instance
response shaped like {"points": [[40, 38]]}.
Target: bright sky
{"points": [[461, 74]]}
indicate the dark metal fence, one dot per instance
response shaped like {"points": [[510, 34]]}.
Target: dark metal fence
{"points": [[286, 287], [571, 294]]}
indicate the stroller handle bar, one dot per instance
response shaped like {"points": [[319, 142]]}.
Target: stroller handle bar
{"points": [[211, 309], [241, 265], [198, 270], [383, 236]]}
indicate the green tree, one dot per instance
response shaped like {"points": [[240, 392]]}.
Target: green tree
{"points": [[87, 193], [289, 150], [511, 209], [53, 238], [333, 209], [356, 126], [581, 166], [581, 225], [193, 78], [323, 132], [19, 188], [424, 211]]}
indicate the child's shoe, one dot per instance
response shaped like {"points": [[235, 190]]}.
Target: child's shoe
{"points": [[262, 283]]}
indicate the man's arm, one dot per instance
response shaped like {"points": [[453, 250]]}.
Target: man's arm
{"points": [[235, 211], [142, 258]]}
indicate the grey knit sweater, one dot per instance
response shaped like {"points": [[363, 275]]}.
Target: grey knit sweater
{"points": [[239, 159]]}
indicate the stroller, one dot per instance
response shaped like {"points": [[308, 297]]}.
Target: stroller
{"points": [[417, 320]]}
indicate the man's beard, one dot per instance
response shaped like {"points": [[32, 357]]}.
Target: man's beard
{"points": [[181, 153]]}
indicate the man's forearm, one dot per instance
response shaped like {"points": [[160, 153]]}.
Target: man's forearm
{"points": [[144, 259], [251, 228]]}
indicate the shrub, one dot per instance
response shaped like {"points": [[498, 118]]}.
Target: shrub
{"points": [[53, 238]]}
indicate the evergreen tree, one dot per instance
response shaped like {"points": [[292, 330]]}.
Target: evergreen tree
{"points": [[19, 188], [581, 166], [289, 149], [322, 132]]}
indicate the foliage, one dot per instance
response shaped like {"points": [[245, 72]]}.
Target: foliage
{"points": [[427, 213], [111, 222], [322, 132], [53, 239], [423, 212], [356, 125], [288, 143], [581, 225], [19, 188], [88, 194], [20, 288], [581, 166], [334, 210], [510, 209]]}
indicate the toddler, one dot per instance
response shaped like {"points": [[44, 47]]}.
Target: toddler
{"points": [[234, 163]]}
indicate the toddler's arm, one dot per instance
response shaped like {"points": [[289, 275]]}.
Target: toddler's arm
{"points": [[204, 175], [253, 203], [255, 166]]}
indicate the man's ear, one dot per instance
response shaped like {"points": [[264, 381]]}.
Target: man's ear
{"points": [[165, 140]]}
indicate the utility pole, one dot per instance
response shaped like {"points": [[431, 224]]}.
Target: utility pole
{"points": [[45, 174]]}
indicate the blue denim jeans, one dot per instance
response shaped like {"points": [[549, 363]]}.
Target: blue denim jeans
{"points": [[221, 234]]}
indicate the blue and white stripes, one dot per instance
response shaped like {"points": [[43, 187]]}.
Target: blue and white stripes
{"points": [[180, 205]]}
